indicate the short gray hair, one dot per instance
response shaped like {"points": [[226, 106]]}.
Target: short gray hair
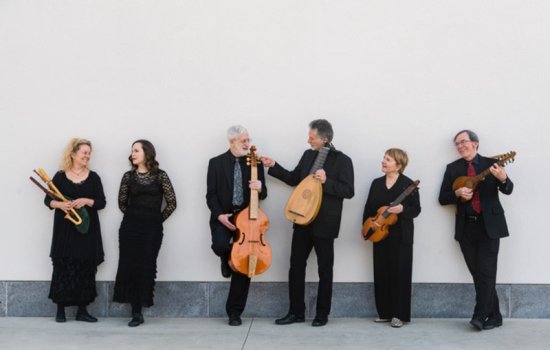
{"points": [[324, 129], [235, 131]]}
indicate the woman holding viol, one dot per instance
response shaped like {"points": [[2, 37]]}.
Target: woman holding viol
{"points": [[393, 195]]}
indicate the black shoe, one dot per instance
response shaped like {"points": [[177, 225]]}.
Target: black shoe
{"points": [[86, 317], [136, 320], [290, 318], [477, 323], [60, 315], [492, 322], [226, 270], [319, 321], [235, 320]]}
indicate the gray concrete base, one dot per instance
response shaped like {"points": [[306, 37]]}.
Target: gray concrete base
{"points": [[270, 299], [3, 299]]}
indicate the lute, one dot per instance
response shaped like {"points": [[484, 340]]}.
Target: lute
{"points": [[303, 204], [473, 182]]}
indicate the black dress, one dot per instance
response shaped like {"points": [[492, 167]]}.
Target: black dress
{"points": [[75, 256], [140, 235], [392, 257]]}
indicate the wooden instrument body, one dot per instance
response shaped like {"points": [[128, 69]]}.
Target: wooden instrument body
{"points": [[379, 224], [472, 182], [377, 228], [305, 201], [251, 254], [303, 205]]}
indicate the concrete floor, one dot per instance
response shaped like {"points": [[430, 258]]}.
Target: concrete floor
{"points": [[262, 334]]}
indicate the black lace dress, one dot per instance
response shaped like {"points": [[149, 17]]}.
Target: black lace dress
{"points": [[75, 256], [140, 236]]}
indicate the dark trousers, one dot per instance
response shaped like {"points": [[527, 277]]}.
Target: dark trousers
{"points": [[238, 289], [481, 256], [392, 277], [302, 243]]}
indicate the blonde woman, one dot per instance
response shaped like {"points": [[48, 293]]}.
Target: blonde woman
{"points": [[393, 256], [75, 255]]}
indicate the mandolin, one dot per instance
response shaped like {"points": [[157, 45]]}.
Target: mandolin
{"points": [[251, 254], [377, 228], [303, 204], [473, 182]]}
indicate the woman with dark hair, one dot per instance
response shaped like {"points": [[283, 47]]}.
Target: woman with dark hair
{"points": [[75, 255], [393, 256], [140, 197]]}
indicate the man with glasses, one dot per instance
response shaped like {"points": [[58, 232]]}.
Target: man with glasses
{"points": [[480, 223], [228, 188], [337, 179]]}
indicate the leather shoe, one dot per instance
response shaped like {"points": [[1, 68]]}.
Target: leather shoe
{"points": [[235, 320], [290, 318], [136, 320], [319, 322], [86, 317], [226, 270], [477, 323], [492, 322]]}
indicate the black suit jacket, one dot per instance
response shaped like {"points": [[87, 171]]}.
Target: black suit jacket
{"points": [[219, 185], [491, 209], [339, 185]]}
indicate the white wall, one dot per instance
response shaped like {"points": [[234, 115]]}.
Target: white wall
{"points": [[385, 73]]}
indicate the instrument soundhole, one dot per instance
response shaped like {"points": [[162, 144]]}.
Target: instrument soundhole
{"points": [[306, 194]]}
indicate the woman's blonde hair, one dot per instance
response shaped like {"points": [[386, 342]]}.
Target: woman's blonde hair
{"points": [[72, 147], [401, 158]]}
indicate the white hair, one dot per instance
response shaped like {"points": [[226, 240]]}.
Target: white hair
{"points": [[235, 131]]}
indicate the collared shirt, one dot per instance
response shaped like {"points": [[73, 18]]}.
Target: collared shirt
{"points": [[468, 204], [242, 164]]}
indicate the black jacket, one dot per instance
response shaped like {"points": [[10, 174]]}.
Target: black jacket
{"points": [[219, 185], [491, 209], [339, 185]]}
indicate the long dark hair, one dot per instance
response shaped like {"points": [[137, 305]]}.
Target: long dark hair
{"points": [[150, 154]]}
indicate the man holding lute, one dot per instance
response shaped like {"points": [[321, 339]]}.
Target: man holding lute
{"points": [[480, 220], [316, 211]]}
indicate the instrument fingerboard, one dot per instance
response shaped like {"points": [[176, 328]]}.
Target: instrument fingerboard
{"points": [[252, 161], [254, 198], [405, 193], [320, 160]]}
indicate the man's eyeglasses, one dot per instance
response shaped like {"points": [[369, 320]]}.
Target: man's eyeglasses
{"points": [[462, 143]]}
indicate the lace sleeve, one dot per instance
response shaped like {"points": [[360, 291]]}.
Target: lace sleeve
{"points": [[169, 195], [123, 192]]}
